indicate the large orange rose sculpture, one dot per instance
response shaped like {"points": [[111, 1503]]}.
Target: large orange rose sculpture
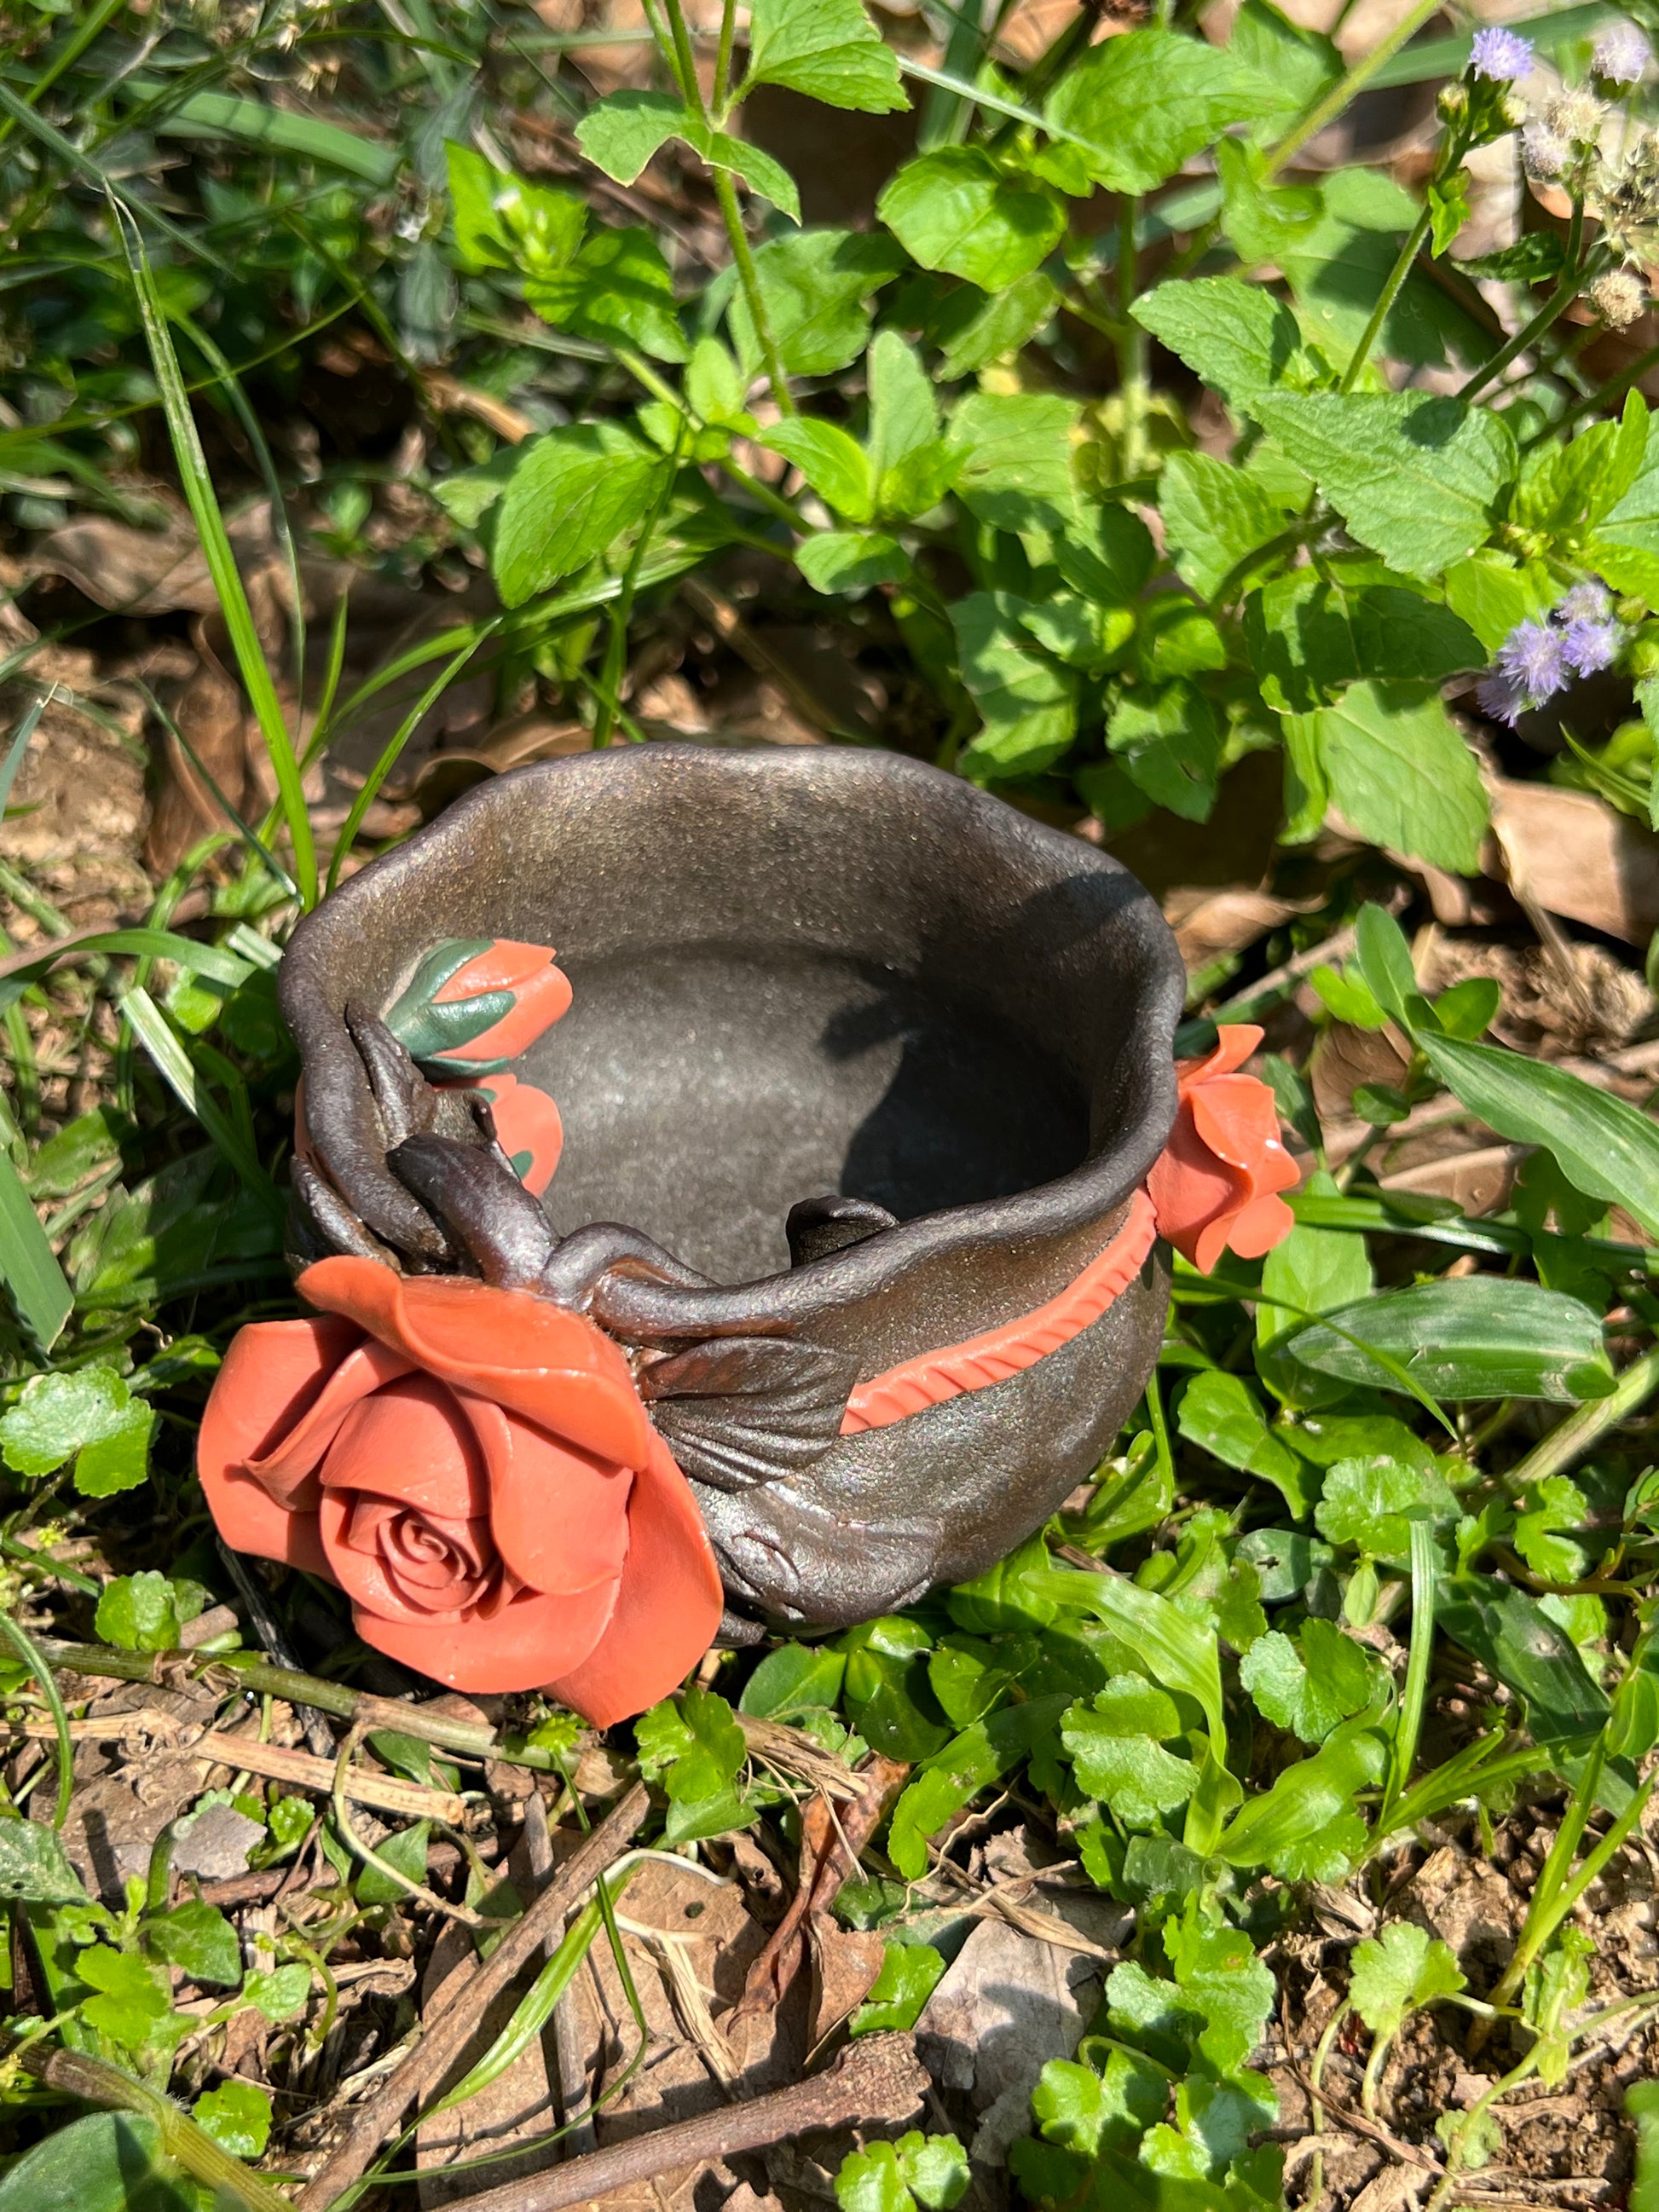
{"points": [[475, 1469], [1216, 1185]]}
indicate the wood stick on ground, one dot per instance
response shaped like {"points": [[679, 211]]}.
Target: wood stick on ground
{"points": [[879, 2077], [448, 2037], [564, 2038]]}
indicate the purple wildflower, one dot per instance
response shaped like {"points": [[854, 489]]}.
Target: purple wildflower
{"points": [[1621, 55], [1497, 696], [1585, 602], [1500, 57], [1532, 661], [1590, 646]]}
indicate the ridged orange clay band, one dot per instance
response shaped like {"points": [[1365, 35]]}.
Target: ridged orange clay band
{"points": [[934, 1377]]}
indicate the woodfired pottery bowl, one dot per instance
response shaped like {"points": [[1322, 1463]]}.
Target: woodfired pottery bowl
{"points": [[861, 1078]]}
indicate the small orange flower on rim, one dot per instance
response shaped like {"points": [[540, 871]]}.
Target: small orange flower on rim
{"points": [[1216, 1184]]}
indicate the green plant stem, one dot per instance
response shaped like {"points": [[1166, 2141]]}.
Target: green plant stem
{"points": [[723, 57], [76, 2074], [1567, 1443], [1557, 303], [1132, 341], [1354, 81], [660, 388], [1386, 298], [1549, 1903], [1414, 1691]]}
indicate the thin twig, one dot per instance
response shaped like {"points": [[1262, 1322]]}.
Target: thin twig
{"points": [[877, 2078], [448, 2035]]}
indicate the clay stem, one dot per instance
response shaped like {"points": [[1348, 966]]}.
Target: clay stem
{"points": [[447, 2037], [877, 2078]]}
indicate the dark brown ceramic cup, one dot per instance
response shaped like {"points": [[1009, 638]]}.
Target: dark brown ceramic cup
{"points": [[862, 1075]]}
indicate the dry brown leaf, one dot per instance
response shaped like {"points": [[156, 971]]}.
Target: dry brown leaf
{"points": [[1575, 855]]}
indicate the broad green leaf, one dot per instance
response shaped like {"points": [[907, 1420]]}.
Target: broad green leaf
{"points": [[1304, 1806], [715, 387], [1308, 634], [832, 462], [237, 2115], [1264, 220], [1220, 1411], [1175, 1650], [1492, 594], [501, 221], [1604, 1146], [1214, 515], [1295, 65], [1088, 2112], [572, 492], [119, 1460], [199, 1939], [1482, 1337], [829, 49], [405, 1851], [616, 290], [1218, 1974], [751, 165], [1372, 1500], [1311, 1685], [129, 1995], [910, 1972], [903, 417], [1027, 702], [1169, 743], [966, 1765], [850, 560], [1117, 1746], [1141, 104], [975, 332], [1399, 770], [796, 1678], [1236, 336], [35, 1868], [1642, 2110], [57, 1415], [702, 1796], [935, 2169], [621, 133], [1398, 1971], [140, 1612], [105, 2162], [814, 284], [954, 209], [1508, 1630], [1016, 457], [281, 1993], [1415, 477]]}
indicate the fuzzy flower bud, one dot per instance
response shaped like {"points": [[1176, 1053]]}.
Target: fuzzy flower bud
{"points": [[1588, 647], [1514, 110], [1497, 697], [1452, 103], [1619, 298], [1531, 662], [1589, 602], [1622, 55], [1499, 55], [1578, 117], [1544, 152]]}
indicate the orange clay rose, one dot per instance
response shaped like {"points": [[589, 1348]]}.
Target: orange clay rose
{"points": [[1216, 1184], [474, 1468]]}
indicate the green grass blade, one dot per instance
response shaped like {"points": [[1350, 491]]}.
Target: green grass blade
{"points": [[221, 563], [28, 1265], [19, 746], [1550, 31], [222, 115], [178, 1070], [210, 960], [24, 1646], [389, 756]]}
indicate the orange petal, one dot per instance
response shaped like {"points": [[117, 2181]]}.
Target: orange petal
{"points": [[1265, 1222], [535, 1359], [541, 995], [1236, 1116], [1192, 1190], [559, 1515], [528, 1125], [285, 1470], [358, 1561], [264, 1409], [527, 1641], [668, 1607], [1235, 1043], [412, 1443]]}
